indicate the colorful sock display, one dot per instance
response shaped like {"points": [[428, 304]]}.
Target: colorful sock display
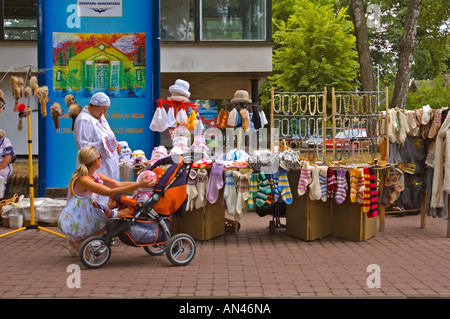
{"points": [[373, 212], [284, 188], [332, 184], [342, 186], [365, 206], [355, 183], [304, 180]]}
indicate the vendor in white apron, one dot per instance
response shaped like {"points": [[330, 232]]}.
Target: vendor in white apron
{"points": [[91, 128]]}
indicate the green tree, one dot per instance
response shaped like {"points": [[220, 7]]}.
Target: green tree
{"points": [[314, 48]]}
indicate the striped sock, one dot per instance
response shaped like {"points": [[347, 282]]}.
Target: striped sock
{"points": [[283, 187], [305, 179], [273, 181], [373, 195], [365, 206], [323, 183], [263, 190], [332, 184], [361, 186], [354, 175], [252, 190], [342, 188]]}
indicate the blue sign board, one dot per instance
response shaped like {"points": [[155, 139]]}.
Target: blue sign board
{"points": [[87, 47]]}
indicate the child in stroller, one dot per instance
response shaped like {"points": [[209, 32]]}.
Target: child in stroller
{"points": [[148, 225]]}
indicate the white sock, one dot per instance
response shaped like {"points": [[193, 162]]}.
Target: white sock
{"points": [[229, 193], [314, 188], [202, 182]]}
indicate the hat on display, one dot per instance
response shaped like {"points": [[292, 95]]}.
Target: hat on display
{"points": [[180, 87], [241, 96], [100, 99]]}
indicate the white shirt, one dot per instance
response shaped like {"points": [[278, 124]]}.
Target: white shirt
{"points": [[90, 131]]}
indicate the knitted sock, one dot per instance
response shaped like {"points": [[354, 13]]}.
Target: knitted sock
{"points": [[361, 186], [323, 182], [253, 189], [355, 183], [305, 179], [365, 206], [242, 192], [373, 195], [202, 182], [215, 182], [191, 189], [314, 186], [342, 188], [269, 201], [283, 187], [263, 190], [229, 193], [273, 182], [332, 184]]}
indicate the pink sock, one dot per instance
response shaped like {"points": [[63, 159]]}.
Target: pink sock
{"points": [[215, 182], [305, 179]]}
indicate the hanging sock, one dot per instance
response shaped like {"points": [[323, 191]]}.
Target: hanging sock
{"points": [[323, 182], [263, 190], [365, 206], [253, 189], [314, 186], [332, 184], [342, 186], [202, 182], [305, 179], [283, 187], [215, 182], [229, 193], [373, 195]]}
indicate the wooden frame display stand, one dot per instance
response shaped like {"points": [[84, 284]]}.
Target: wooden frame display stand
{"points": [[313, 219]]}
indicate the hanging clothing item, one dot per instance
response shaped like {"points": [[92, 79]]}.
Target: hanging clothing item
{"points": [[90, 131]]}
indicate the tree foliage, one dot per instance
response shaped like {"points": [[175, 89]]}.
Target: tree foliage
{"points": [[314, 48]]}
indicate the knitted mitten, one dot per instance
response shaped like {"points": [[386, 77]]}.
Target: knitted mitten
{"points": [[283, 187], [342, 188], [305, 179]]}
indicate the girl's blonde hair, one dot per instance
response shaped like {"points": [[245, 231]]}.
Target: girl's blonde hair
{"points": [[86, 156]]}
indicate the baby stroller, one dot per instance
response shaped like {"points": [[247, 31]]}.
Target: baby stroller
{"points": [[149, 227]]}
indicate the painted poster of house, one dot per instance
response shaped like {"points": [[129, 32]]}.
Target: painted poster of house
{"points": [[85, 63]]}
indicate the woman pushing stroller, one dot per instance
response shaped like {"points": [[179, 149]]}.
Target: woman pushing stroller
{"points": [[83, 216]]}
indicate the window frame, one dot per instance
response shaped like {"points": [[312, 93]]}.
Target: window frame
{"points": [[3, 29], [197, 23]]}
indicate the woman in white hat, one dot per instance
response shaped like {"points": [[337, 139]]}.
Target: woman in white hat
{"points": [[91, 128], [7, 157]]}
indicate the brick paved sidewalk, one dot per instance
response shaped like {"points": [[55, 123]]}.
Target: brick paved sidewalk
{"points": [[414, 262]]}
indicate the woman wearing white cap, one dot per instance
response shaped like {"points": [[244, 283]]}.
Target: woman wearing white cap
{"points": [[91, 128]]}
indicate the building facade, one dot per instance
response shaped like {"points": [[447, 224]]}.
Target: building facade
{"points": [[219, 47]]}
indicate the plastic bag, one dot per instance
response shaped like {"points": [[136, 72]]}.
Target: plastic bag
{"points": [[159, 121]]}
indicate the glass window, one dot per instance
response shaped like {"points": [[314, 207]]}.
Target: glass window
{"points": [[233, 20], [177, 20], [20, 19]]}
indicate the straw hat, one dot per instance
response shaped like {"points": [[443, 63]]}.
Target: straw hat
{"points": [[241, 96], [180, 87]]}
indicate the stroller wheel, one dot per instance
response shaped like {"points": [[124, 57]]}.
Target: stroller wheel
{"points": [[155, 250], [94, 252], [180, 249]]}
